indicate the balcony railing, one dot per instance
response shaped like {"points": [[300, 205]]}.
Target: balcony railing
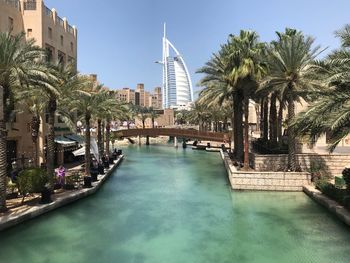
{"points": [[48, 12], [30, 5], [70, 29], [60, 21], [14, 3]]}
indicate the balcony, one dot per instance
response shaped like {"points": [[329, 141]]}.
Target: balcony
{"points": [[13, 3], [70, 29], [48, 12], [60, 21], [30, 5]]}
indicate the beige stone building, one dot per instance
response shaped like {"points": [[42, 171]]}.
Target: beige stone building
{"points": [[140, 97], [126, 95], [165, 118], [156, 100], [59, 38]]}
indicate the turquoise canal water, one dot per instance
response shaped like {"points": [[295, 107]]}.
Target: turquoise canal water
{"points": [[166, 205]]}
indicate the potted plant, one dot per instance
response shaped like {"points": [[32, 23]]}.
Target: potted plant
{"points": [[34, 180], [12, 186]]}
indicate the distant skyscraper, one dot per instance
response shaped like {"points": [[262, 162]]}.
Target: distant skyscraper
{"points": [[177, 85]]}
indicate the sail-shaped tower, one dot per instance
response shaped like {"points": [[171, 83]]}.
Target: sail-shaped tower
{"points": [[177, 85]]}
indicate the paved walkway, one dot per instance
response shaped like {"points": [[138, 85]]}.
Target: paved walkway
{"points": [[32, 208]]}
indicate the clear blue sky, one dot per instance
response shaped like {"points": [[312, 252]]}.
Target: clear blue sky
{"points": [[120, 39]]}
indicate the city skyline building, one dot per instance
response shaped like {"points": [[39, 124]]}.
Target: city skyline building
{"points": [[177, 84]]}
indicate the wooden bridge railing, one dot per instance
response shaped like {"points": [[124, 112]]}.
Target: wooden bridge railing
{"points": [[180, 133]]}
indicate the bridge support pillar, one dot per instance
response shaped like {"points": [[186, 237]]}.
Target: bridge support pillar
{"points": [[175, 142], [184, 145]]}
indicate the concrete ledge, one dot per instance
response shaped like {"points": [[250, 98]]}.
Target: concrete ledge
{"points": [[340, 211], [10, 220], [264, 181]]}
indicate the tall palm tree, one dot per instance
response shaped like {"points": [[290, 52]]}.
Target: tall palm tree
{"points": [[63, 81], [329, 113], [86, 102], [247, 69], [33, 100], [153, 114], [291, 74], [219, 84], [19, 64]]}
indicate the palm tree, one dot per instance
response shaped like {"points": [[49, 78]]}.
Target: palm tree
{"points": [[219, 86], [33, 100], [63, 81], [86, 102], [291, 74], [19, 65], [153, 114], [329, 113], [248, 68]]}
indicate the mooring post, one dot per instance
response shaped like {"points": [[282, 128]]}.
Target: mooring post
{"points": [[139, 139], [175, 141]]}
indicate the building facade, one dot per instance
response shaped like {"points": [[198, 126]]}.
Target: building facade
{"points": [[59, 38], [140, 97], [177, 84]]}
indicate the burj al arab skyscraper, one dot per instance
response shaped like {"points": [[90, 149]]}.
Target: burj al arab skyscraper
{"points": [[177, 85]]}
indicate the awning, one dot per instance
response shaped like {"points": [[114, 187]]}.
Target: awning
{"points": [[75, 137], [80, 151], [93, 149], [64, 141]]}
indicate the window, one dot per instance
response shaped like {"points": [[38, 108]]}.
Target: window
{"points": [[61, 40], [50, 32], [10, 28], [71, 46], [29, 32], [49, 53], [61, 57]]}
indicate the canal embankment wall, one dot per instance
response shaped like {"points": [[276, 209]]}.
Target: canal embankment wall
{"points": [[264, 181], [332, 163], [335, 208], [59, 200]]}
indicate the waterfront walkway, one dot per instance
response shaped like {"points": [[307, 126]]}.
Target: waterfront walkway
{"points": [[32, 207]]}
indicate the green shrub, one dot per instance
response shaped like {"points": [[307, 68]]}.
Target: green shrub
{"points": [[346, 177], [31, 180]]}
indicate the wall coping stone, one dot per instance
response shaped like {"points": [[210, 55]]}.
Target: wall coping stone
{"points": [[335, 208]]}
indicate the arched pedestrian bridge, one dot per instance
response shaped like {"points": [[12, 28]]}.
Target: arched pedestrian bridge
{"points": [[175, 132]]}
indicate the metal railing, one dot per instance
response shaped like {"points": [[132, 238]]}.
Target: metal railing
{"points": [[48, 12], [29, 5], [185, 133], [15, 3], [60, 21], [70, 29]]}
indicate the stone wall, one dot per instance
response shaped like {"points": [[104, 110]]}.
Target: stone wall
{"points": [[333, 163], [265, 181]]}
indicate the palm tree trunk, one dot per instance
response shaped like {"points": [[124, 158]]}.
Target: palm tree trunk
{"points": [[291, 136], [246, 133], [87, 145], [108, 135], [103, 137], [99, 137], [261, 118], [238, 129], [279, 122], [266, 119], [273, 118], [35, 126], [50, 159], [3, 163]]}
